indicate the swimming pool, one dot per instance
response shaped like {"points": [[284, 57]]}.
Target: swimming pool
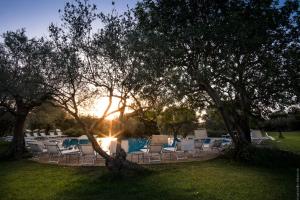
{"points": [[134, 144]]}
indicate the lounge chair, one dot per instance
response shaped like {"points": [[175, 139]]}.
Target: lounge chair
{"points": [[113, 147], [159, 139], [270, 137], [257, 137], [59, 133], [36, 149], [55, 153], [36, 134], [52, 134], [176, 151], [43, 134], [28, 136], [154, 153], [187, 145], [200, 133], [198, 145], [125, 145], [207, 143], [87, 154], [217, 145]]}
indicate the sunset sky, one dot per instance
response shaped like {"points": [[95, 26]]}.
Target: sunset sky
{"points": [[36, 15]]}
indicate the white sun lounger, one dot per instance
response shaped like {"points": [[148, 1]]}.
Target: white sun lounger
{"points": [[55, 153], [257, 137], [154, 153], [87, 154]]}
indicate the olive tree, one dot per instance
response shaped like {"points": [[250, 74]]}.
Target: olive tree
{"points": [[22, 65], [224, 53], [90, 64]]}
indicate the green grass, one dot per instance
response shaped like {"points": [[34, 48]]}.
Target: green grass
{"points": [[291, 141], [211, 180]]}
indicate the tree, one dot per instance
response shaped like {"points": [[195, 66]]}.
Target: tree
{"points": [[22, 88], [177, 120], [46, 117], [7, 122], [214, 122], [223, 53], [89, 65]]}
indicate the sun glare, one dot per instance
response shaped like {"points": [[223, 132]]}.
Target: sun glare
{"points": [[101, 104], [105, 143]]}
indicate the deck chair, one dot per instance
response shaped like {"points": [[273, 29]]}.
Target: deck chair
{"points": [[178, 152], [217, 145], [43, 134], [198, 145], [55, 154], [52, 134], [59, 133], [28, 136], [257, 137], [87, 154], [36, 149], [154, 153], [200, 134], [35, 134]]}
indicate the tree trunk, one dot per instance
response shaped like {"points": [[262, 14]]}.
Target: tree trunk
{"points": [[227, 118], [17, 147], [233, 123], [114, 164], [243, 128], [280, 136]]}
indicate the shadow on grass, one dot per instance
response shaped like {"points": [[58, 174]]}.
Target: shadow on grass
{"points": [[127, 186], [210, 180]]}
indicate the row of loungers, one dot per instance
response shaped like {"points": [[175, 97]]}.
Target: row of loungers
{"points": [[85, 153], [38, 134]]}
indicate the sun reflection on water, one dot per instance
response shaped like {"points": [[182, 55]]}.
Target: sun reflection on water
{"points": [[106, 143]]}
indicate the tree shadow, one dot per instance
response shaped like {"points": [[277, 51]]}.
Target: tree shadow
{"points": [[127, 185]]}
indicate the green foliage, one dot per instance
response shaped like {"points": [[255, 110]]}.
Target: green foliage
{"points": [[7, 122], [134, 128], [282, 121], [214, 123], [236, 55], [265, 156], [74, 132], [177, 120], [23, 62], [46, 117]]}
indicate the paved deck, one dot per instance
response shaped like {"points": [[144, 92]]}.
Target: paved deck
{"points": [[75, 160]]}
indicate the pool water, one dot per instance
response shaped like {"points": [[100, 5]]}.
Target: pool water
{"points": [[136, 144], [67, 143]]}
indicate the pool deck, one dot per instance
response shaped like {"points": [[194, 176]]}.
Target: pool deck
{"points": [[140, 158]]}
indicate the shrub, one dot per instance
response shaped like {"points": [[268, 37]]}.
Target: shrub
{"points": [[74, 132], [264, 156]]}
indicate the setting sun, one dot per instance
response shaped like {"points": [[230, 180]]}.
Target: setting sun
{"points": [[99, 106]]}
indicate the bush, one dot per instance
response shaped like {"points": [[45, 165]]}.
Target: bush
{"points": [[74, 132], [263, 156], [215, 133]]}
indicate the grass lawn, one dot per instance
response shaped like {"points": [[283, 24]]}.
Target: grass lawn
{"points": [[291, 141], [217, 179]]}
